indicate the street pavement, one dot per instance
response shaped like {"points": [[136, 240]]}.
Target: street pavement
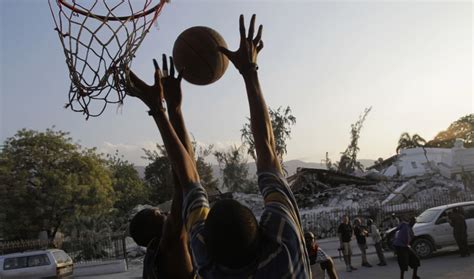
{"points": [[445, 264]]}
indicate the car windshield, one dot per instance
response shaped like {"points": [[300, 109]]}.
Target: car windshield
{"points": [[427, 216]]}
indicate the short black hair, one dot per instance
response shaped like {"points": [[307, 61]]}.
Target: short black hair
{"points": [[370, 222], [231, 234], [146, 225]]}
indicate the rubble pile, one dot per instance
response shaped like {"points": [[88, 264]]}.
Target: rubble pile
{"points": [[437, 185], [333, 193]]}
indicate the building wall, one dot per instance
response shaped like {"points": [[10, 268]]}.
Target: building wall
{"points": [[448, 161]]}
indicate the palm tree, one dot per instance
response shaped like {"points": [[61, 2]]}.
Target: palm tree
{"points": [[414, 141], [407, 141]]}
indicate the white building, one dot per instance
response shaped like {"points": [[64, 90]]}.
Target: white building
{"points": [[449, 162]]}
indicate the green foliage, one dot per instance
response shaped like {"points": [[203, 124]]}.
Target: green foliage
{"points": [[129, 189], [407, 141], [46, 179], [208, 181], [234, 170], [282, 120], [348, 162], [158, 175], [462, 128]]}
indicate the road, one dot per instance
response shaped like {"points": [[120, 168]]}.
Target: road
{"points": [[443, 265]]}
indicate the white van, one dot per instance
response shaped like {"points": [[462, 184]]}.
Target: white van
{"points": [[51, 263], [432, 230]]}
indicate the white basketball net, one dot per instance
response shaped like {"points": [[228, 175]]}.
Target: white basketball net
{"points": [[99, 38]]}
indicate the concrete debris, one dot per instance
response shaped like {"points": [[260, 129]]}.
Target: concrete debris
{"points": [[401, 193], [311, 193]]}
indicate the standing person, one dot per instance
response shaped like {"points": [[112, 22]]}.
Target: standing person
{"points": [[317, 255], [271, 248], [344, 231], [394, 221], [375, 234], [361, 233], [458, 222], [167, 254], [405, 255]]}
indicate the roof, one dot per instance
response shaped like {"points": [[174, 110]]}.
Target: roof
{"points": [[451, 205], [384, 164], [29, 253]]}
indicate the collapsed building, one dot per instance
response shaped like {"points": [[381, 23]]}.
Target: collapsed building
{"points": [[405, 184], [413, 174]]}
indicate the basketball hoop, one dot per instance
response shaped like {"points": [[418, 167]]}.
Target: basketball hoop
{"points": [[100, 38]]}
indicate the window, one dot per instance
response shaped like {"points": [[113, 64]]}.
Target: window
{"points": [[413, 165], [26, 261], [38, 260], [61, 257], [443, 218], [427, 216], [468, 211], [14, 263]]}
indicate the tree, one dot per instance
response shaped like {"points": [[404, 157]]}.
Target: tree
{"points": [[234, 170], [462, 128], [129, 189], [282, 120], [348, 162], [407, 141], [46, 180], [208, 181], [158, 175]]}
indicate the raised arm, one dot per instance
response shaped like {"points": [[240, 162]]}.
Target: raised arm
{"points": [[173, 97], [245, 60], [153, 96]]}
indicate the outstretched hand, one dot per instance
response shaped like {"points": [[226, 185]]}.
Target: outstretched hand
{"points": [[245, 58], [171, 84], [151, 95], [166, 87]]}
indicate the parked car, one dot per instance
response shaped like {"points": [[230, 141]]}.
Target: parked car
{"points": [[51, 263], [433, 231]]}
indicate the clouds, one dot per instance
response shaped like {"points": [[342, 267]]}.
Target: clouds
{"points": [[131, 152]]}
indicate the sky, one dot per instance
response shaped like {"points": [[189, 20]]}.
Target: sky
{"points": [[411, 61]]}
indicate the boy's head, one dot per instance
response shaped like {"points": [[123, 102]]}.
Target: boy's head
{"points": [[146, 225], [345, 219], [309, 238], [231, 234]]}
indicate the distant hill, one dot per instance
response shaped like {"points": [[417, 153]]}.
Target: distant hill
{"points": [[290, 166]]}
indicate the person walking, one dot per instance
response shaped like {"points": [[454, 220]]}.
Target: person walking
{"points": [[458, 222], [345, 233], [361, 233], [405, 255], [375, 234]]}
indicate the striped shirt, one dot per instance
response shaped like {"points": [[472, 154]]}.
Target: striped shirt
{"points": [[282, 251]]}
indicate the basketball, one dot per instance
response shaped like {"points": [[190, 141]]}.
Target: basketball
{"points": [[195, 51]]}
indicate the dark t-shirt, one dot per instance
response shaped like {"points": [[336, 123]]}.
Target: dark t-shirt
{"points": [[151, 260], [358, 232], [346, 232]]}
